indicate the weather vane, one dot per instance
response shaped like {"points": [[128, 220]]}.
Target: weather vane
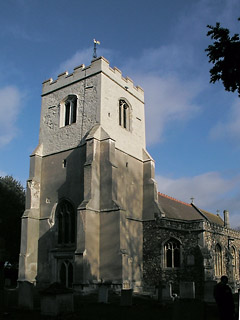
{"points": [[95, 48]]}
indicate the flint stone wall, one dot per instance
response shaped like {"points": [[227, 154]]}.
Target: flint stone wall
{"points": [[156, 233]]}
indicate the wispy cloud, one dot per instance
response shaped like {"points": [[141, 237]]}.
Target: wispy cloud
{"points": [[168, 100], [230, 128], [171, 84], [211, 191], [83, 56], [10, 99]]}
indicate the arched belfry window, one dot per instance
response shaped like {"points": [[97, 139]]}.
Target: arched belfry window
{"points": [[172, 253], [68, 110], [66, 223], [124, 114], [218, 260]]}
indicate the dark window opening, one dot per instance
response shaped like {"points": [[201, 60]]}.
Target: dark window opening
{"points": [[66, 223], [124, 114], [67, 113], [66, 274], [172, 253], [63, 272], [74, 110]]}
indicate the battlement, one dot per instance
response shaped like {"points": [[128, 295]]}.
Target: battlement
{"points": [[97, 66]]}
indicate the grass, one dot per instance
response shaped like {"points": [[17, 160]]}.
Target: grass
{"points": [[87, 307]]}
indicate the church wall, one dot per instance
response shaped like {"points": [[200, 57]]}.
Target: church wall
{"points": [[57, 182], [226, 238], [55, 138], [130, 141], [110, 257], [155, 234], [129, 184]]}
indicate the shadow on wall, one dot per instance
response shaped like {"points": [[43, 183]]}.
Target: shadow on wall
{"points": [[63, 181]]}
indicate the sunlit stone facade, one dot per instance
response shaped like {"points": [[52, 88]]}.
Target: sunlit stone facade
{"points": [[93, 214]]}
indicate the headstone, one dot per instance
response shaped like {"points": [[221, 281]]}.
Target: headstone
{"points": [[25, 295], [103, 294], [187, 290], [166, 292], [10, 297], [56, 304], [126, 285], [208, 290], [56, 300], [126, 297]]}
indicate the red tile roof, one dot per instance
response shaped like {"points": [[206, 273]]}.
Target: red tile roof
{"points": [[166, 196]]}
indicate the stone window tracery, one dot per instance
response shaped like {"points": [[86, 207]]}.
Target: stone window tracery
{"points": [[218, 260], [172, 253], [124, 114], [66, 223]]}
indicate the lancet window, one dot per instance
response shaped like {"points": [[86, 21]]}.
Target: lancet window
{"points": [[234, 260], [124, 114], [68, 112], [172, 253], [66, 273], [218, 260], [66, 223]]}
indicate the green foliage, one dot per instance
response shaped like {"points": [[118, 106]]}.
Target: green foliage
{"points": [[224, 53], [12, 204]]}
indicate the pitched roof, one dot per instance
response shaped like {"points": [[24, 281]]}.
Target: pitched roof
{"points": [[179, 210], [215, 218]]}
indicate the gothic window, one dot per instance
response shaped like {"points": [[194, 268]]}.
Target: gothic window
{"points": [[66, 273], [234, 260], [218, 260], [124, 114], [66, 223], [68, 110], [172, 253]]}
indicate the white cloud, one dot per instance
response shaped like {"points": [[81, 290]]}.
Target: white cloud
{"points": [[2, 173], [81, 57], [170, 88], [231, 127], [10, 99], [211, 191], [168, 100]]}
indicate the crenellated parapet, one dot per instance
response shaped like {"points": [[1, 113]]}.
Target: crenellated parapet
{"points": [[97, 66]]}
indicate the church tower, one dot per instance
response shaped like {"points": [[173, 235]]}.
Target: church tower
{"points": [[91, 183]]}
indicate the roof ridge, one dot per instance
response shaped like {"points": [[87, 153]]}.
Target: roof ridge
{"points": [[171, 198]]}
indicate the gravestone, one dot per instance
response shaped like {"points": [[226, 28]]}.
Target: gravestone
{"points": [[165, 293], [187, 290], [56, 300], [103, 294], [126, 297], [25, 297], [208, 291], [56, 304]]}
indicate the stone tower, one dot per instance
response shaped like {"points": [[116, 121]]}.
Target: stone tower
{"points": [[91, 183]]}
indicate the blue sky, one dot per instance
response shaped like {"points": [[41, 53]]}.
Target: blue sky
{"points": [[192, 127]]}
